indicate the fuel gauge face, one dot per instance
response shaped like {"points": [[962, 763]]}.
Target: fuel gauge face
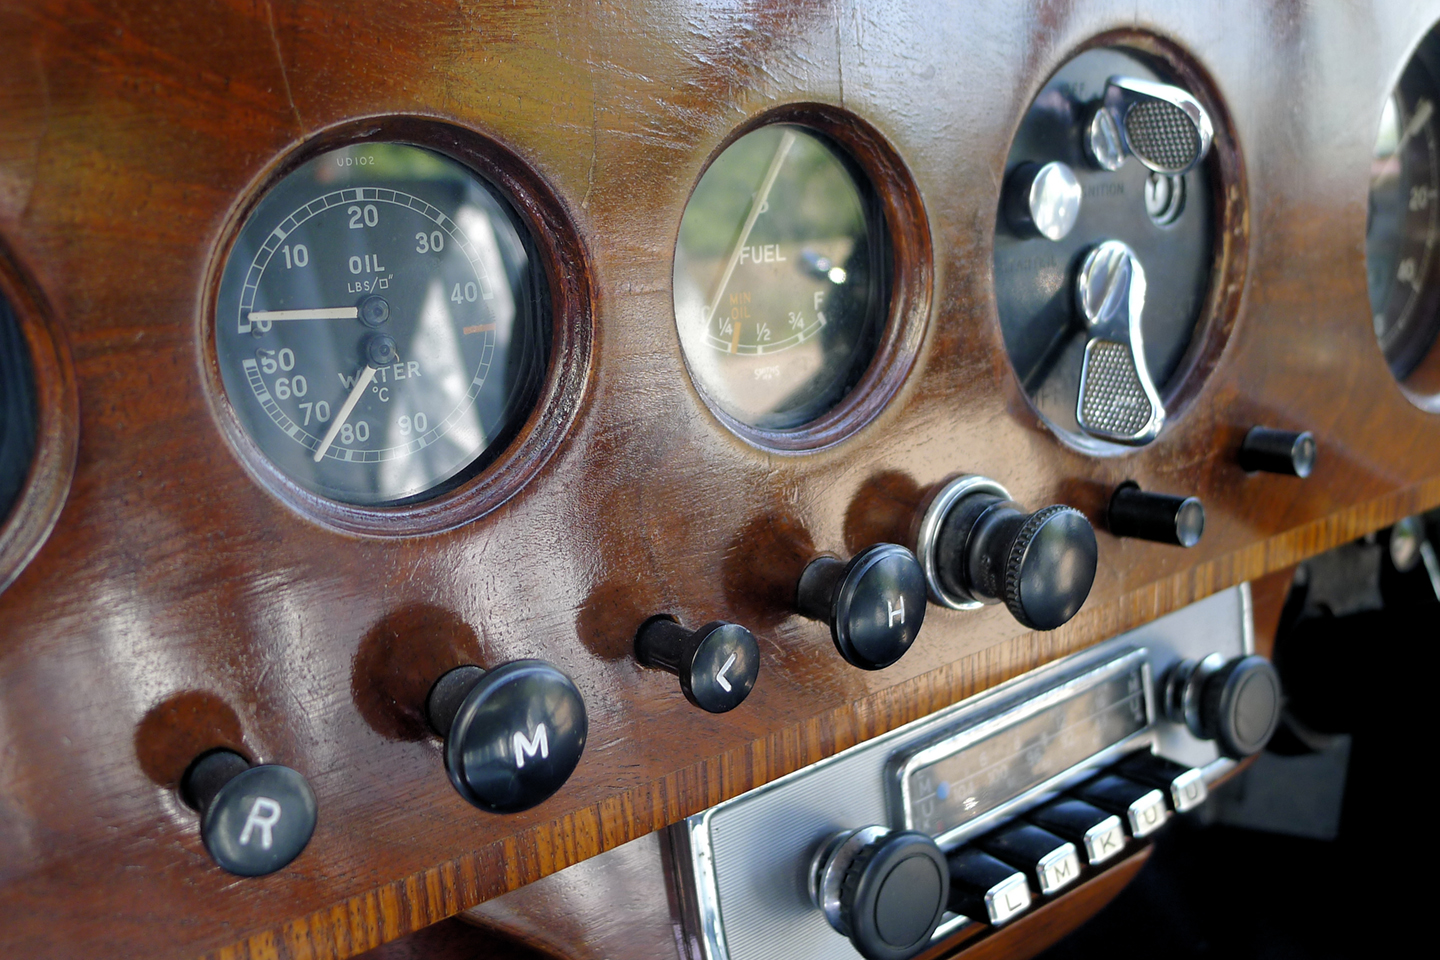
{"points": [[780, 278], [380, 327]]}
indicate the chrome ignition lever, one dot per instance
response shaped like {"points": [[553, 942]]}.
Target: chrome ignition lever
{"points": [[1163, 125], [1117, 399]]}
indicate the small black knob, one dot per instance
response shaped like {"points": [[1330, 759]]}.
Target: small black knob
{"points": [[874, 604], [1236, 703], [717, 664], [254, 820], [513, 735], [1156, 516], [1278, 451], [885, 890], [985, 549]]}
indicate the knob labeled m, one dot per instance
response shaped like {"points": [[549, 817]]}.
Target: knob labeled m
{"points": [[529, 747]]}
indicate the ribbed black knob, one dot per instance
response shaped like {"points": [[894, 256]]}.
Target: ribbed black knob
{"points": [[885, 890], [1179, 521], [253, 820], [1278, 451], [874, 604], [513, 735], [717, 664], [1041, 564], [1236, 703]]}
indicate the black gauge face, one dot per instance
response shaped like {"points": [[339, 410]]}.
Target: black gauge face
{"points": [[1166, 222], [381, 324], [780, 278], [1400, 238], [17, 410]]}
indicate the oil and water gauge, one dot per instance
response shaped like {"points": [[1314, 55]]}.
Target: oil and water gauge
{"points": [[780, 278], [381, 325], [1401, 249]]}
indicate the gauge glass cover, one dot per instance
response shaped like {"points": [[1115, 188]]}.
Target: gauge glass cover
{"points": [[17, 410], [1404, 217], [381, 327], [780, 278]]}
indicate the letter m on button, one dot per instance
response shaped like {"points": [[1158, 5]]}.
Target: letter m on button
{"points": [[537, 743]]}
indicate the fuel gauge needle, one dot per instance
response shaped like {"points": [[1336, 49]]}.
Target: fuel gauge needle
{"points": [[356, 392], [787, 140]]}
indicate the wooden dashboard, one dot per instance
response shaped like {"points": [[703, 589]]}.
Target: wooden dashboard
{"points": [[166, 596]]}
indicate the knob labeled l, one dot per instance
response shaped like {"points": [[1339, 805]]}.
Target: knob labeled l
{"points": [[717, 664]]}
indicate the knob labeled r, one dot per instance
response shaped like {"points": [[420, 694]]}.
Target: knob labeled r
{"points": [[253, 820]]}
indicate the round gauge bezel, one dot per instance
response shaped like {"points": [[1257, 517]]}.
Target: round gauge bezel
{"points": [[1220, 307], [908, 279], [1421, 385], [41, 497], [550, 235]]}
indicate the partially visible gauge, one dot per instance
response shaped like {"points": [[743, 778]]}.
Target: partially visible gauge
{"points": [[17, 410], [381, 327], [781, 278], [1401, 255]]}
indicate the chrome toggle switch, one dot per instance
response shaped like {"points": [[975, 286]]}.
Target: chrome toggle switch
{"points": [[1164, 126], [1142, 807], [1117, 400]]}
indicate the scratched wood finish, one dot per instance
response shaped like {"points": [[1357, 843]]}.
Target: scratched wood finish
{"points": [[177, 605]]}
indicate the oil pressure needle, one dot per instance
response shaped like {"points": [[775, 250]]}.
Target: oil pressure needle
{"points": [[361, 382], [787, 139], [322, 313]]}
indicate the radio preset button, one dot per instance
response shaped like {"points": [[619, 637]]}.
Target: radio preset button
{"points": [[1101, 835], [1051, 863], [986, 889], [1142, 807], [1184, 786]]}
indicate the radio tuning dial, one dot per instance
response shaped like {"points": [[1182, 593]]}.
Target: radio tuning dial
{"points": [[978, 546], [885, 890], [1235, 702]]}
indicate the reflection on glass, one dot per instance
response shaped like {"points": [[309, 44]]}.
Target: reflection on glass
{"points": [[780, 278], [380, 329]]}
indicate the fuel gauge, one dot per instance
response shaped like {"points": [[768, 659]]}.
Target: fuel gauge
{"points": [[780, 278]]}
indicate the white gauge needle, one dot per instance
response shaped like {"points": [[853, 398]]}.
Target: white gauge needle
{"points": [[322, 313], [787, 139], [1423, 110], [361, 382]]}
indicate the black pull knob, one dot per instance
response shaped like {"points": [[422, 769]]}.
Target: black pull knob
{"points": [[1156, 516], [980, 546], [717, 664], [874, 604], [1278, 451], [1236, 703], [513, 735], [253, 820], [885, 890]]}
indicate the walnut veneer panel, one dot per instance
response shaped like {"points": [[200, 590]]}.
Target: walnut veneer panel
{"points": [[177, 605]]}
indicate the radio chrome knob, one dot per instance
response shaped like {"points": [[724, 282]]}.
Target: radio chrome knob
{"points": [[513, 735], [1235, 702], [885, 890], [979, 546]]}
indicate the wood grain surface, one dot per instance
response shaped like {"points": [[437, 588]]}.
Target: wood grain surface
{"points": [[180, 604]]}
